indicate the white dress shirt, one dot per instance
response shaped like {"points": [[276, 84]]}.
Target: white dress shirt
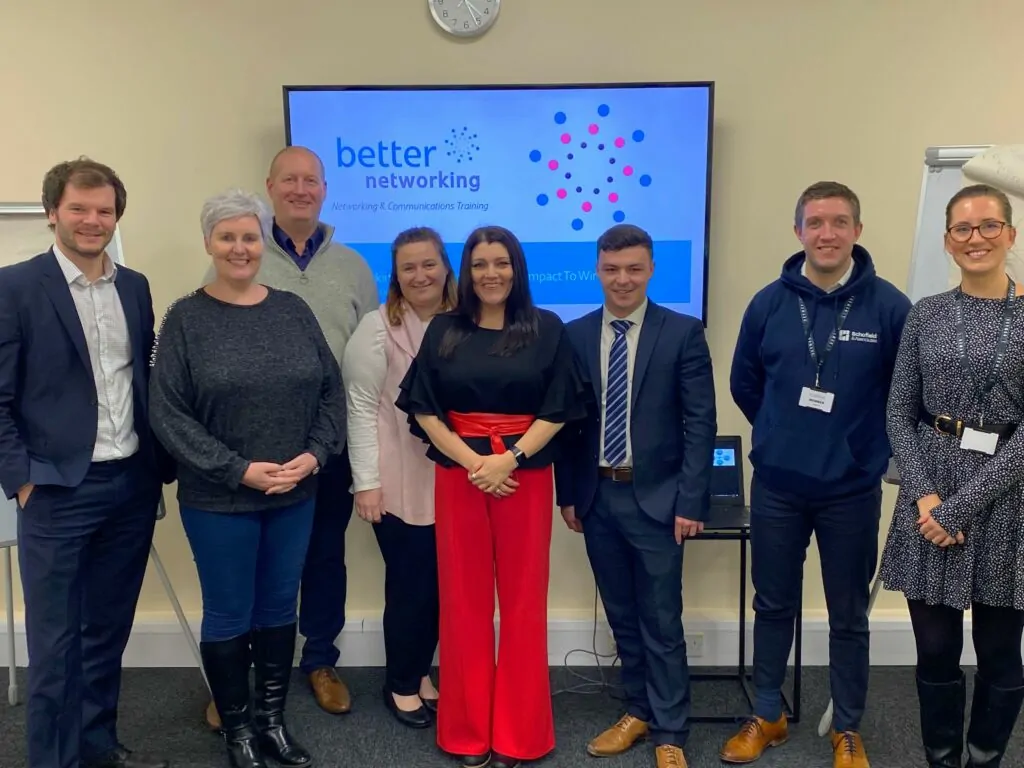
{"points": [[607, 337], [110, 353]]}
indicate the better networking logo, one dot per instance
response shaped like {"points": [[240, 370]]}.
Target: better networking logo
{"points": [[591, 168], [389, 164]]}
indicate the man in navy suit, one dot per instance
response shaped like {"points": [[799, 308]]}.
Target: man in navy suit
{"points": [[76, 333], [635, 480]]}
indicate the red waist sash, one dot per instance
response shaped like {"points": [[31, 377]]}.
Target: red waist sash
{"points": [[492, 425]]}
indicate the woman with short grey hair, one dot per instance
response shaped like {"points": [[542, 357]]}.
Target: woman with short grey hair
{"points": [[233, 204], [245, 394]]}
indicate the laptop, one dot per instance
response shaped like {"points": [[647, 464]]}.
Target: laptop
{"points": [[727, 489]]}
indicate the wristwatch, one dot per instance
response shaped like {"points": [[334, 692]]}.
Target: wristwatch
{"points": [[517, 454]]}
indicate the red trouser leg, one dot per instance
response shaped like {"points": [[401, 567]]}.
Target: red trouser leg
{"points": [[521, 524], [465, 569]]}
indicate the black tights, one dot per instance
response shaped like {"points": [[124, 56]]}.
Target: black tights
{"points": [[939, 633]]}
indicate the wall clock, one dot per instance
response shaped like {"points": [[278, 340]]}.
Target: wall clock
{"points": [[464, 18]]}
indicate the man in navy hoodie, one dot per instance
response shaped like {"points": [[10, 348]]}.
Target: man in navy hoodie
{"points": [[811, 373]]}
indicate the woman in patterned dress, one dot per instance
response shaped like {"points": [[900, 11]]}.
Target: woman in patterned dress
{"points": [[957, 536]]}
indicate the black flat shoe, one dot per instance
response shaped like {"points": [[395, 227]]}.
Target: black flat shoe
{"points": [[430, 704], [500, 761], [475, 761], [419, 718]]}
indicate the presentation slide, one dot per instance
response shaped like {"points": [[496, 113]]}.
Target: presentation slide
{"points": [[555, 165]]}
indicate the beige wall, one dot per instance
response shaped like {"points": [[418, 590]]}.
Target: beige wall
{"points": [[187, 100]]}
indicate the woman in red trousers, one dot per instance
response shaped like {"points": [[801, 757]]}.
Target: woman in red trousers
{"points": [[492, 384]]}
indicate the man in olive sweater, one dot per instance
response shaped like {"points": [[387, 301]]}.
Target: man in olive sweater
{"points": [[300, 256]]}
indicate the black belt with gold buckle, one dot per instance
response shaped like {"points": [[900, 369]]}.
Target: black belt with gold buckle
{"points": [[616, 474], [948, 425]]}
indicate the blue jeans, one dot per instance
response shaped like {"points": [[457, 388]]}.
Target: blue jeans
{"points": [[249, 565]]}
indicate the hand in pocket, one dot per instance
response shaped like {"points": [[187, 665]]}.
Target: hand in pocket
{"points": [[24, 493]]}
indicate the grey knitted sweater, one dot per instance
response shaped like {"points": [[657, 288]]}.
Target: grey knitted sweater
{"points": [[337, 285], [234, 384]]}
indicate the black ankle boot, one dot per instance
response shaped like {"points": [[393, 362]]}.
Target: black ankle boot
{"points": [[993, 714], [226, 664], [273, 654], [942, 722]]}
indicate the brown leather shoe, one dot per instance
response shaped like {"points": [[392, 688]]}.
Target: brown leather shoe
{"points": [[330, 692], [756, 735], [669, 756], [848, 750], [617, 739], [213, 717]]}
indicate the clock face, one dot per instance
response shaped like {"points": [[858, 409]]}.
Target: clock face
{"points": [[464, 18]]}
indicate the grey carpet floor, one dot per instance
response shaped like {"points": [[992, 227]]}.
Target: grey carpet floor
{"points": [[162, 713]]}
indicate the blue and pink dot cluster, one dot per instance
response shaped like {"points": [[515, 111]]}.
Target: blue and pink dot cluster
{"points": [[586, 190]]}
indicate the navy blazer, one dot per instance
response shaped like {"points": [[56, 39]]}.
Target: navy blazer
{"points": [[672, 425], [48, 395]]}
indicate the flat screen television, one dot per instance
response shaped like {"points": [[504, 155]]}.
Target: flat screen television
{"points": [[555, 164]]}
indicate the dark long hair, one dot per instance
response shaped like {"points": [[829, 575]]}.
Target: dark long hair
{"points": [[522, 321]]}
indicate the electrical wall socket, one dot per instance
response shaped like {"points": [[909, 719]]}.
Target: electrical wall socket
{"points": [[695, 644]]}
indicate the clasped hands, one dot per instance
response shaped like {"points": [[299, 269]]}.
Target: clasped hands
{"points": [[930, 528], [273, 478], [492, 474]]}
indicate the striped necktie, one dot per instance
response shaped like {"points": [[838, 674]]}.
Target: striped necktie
{"points": [[616, 397]]}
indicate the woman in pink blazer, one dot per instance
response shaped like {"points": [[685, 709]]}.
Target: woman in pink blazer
{"points": [[393, 480]]}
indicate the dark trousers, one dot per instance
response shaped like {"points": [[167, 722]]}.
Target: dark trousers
{"points": [[82, 558], [249, 565], [846, 529], [324, 577], [410, 601], [638, 567]]}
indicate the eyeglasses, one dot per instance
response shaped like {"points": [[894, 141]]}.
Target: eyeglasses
{"points": [[990, 230]]}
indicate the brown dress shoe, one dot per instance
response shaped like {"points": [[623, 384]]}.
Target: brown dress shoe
{"points": [[848, 750], [669, 756], [617, 739], [753, 739], [330, 692]]}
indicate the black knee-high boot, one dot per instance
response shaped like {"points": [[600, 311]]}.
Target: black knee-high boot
{"points": [[226, 663], [942, 722], [273, 655], [994, 712]]}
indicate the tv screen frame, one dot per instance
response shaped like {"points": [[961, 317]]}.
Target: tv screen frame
{"points": [[708, 85]]}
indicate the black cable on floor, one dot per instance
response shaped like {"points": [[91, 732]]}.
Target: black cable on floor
{"points": [[588, 685]]}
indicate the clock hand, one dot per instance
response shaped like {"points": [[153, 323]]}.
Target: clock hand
{"points": [[472, 9]]}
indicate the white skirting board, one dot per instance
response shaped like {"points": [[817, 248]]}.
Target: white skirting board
{"points": [[157, 641]]}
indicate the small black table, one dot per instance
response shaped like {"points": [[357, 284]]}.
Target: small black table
{"points": [[732, 523]]}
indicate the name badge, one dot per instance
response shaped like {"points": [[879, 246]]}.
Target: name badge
{"points": [[976, 440], [817, 399]]}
